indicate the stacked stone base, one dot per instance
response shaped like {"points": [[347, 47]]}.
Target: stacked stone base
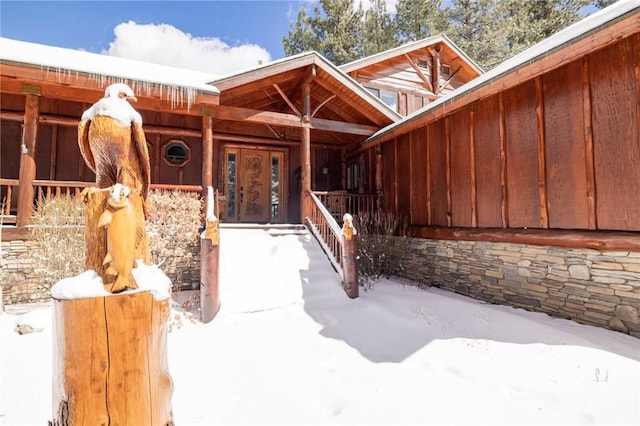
{"points": [[23, 282], [600, 288]]}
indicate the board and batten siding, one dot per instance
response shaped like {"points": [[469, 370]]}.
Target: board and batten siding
{"points": [[559, 151]]}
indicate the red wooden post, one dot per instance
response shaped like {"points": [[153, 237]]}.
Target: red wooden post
{"points": [[27, 160], [349, 257], [210, 264]]}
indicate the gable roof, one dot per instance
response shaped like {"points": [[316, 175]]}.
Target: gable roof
{"points": [[409, 48], [272, 70], [525, 65], [341, 110]]}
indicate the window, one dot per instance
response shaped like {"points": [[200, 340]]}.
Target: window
{"points": [[388, 97], [353, 176], [176, 153]]}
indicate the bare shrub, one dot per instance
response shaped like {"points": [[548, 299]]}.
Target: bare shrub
{"points": [[173, 233], [375, 230], [58, 228]]}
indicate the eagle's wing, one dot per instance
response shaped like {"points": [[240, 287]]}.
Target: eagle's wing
{"points": [[83, 143], [140, 142]]}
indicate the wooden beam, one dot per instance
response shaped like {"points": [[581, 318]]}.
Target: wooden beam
{"points": [[289, 120], [287, 100], [322, 104], [436, 70], [421, 75], [27, 160], [598, 240], [443, 85]]}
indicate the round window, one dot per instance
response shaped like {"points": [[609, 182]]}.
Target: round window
{"points": [[176, 153]]}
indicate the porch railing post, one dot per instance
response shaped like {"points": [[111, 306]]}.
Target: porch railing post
{"points": [[350, 257], [210, 263]]}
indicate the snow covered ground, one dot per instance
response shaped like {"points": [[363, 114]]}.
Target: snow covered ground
{"points": [[288, 347]]}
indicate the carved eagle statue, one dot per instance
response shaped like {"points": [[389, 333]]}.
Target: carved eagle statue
{"points": [[112, 141]]}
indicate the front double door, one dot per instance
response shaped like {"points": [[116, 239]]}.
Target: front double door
{"points": [[254, 185]]}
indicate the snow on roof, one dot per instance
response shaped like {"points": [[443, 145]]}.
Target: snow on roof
{"points": [[61, 60], [568, 35]]}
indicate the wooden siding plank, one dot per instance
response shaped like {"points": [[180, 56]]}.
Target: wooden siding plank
{"points": [[615, 136], [461, 181], [403, 164], [437, 173], [564, 129], [419, 177], [472, 169], [504, 197], [388, 177], [522, 151], [447, 164], [488, 162], [542, 172]]}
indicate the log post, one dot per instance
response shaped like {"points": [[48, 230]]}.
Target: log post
{"points": [[349, 257], [110, 361], [210, 264], [28, 160], [305, 153]]}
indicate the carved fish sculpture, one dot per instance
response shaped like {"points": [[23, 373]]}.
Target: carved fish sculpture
{"points": [[124, 231]]}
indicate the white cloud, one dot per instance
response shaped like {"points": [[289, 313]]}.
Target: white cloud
{"points": [[167, 45]]}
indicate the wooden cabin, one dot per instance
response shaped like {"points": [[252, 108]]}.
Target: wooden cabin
{"points": [[523, 186], [415, 74], [292, 120]]}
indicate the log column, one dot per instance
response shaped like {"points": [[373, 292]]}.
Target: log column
{"points": [[27, 159], [305, 153], [207, 153]]}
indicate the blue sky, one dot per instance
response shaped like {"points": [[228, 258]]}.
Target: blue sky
{"points": [[89, 25]]}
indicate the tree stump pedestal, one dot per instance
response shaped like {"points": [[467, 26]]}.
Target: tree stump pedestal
{"points": [[110, 361]]}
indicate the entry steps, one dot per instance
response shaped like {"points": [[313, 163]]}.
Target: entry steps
{"points": [[274, 229]]}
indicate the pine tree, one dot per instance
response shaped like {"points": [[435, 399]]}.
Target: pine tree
{"points": [[529, 22], [474, 30], [379, 31], [302, 35], [335, 30], [418, 19]]}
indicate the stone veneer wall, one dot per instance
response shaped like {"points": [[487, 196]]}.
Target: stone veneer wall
{"points": [[22, 284], [600, 288]]}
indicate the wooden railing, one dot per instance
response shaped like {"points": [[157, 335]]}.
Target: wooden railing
{"points": [[339, 244], [49, 188], [340, 202], [327, 231]]}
